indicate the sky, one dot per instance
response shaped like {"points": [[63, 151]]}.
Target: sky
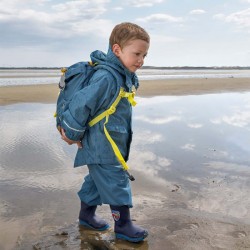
{"points": [[52, 33]]}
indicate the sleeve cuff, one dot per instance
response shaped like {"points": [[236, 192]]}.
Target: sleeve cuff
{"points": [[73, 130]]}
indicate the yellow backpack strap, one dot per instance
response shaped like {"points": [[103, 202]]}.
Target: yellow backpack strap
{"points": [[107, 113], [115, 147], [130, 97], [112, 108]]}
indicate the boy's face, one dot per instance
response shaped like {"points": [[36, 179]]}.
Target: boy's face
{"points": [[133, 54]]}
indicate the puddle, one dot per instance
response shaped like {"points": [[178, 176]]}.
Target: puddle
{"points": [[190, 158]]}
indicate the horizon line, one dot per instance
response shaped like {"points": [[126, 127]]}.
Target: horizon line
{"points": [[144, 67]]}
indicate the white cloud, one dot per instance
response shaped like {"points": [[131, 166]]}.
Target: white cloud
{"points": [[158, 120], [164, 162], [219, 16], [195, 125], [118, 8], [159, 100], [239, 119], [240, 18], [223, 166], [160, 18], [72, 18], [144, 137], [144, 160], [193, 179], [188, 147], [62, 27], [81, 9], [197, 12], [216, 121], [144, 3]]}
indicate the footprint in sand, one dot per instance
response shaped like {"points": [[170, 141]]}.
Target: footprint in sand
{"points": [[192, 226], [238, 234]]}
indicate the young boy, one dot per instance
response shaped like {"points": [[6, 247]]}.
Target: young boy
{"points": [[107, 182]]}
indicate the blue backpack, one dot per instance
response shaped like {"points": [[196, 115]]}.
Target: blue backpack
{"points": [[75, 78]]}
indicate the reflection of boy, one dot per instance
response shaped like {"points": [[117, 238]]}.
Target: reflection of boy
{"points": [[107, 182]]}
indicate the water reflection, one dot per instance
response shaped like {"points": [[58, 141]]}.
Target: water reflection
{"points": [[201, 143], [181, 133], [31, 152], [75, 237], [194, 146]]}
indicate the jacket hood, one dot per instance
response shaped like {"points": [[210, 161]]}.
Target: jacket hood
{"points": [[111, 62]]}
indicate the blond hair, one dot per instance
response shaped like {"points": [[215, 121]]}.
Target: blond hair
{"points": [[126, 32]]}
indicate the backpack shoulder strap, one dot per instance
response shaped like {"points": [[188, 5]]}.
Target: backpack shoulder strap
{"points": [[112, 108], [106, 114]]}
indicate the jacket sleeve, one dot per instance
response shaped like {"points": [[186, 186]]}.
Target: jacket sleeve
{"points": [[87, 102]]}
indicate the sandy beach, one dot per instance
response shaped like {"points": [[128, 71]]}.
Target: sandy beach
{"points": [[177, 216], [47, 93]]}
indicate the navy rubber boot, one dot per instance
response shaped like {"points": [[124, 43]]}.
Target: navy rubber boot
{"points": [[88, 218], [124, 228]]}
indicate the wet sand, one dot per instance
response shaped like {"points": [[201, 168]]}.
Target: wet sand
{"points": [[163, 209], [47, 93]]}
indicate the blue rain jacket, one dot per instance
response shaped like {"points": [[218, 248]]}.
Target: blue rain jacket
{"points": [[91, 101]]}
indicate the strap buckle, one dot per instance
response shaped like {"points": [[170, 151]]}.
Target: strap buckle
{"points": [[111, 110]]}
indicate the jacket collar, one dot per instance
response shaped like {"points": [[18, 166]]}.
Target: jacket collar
{"points": [[111, 60]]}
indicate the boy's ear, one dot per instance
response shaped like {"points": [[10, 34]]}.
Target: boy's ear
{"points": [[116, 49]]}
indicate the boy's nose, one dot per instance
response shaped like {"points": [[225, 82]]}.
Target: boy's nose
{"points": [[141, 60]]}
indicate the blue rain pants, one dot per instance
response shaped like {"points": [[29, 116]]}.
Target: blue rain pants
{"points": [[106, 184]]}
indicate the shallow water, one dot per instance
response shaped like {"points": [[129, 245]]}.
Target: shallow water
{"points": [[35, 76], [190, 155]]}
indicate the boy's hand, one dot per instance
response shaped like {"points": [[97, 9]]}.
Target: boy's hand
{"points": [[70, 142]]}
